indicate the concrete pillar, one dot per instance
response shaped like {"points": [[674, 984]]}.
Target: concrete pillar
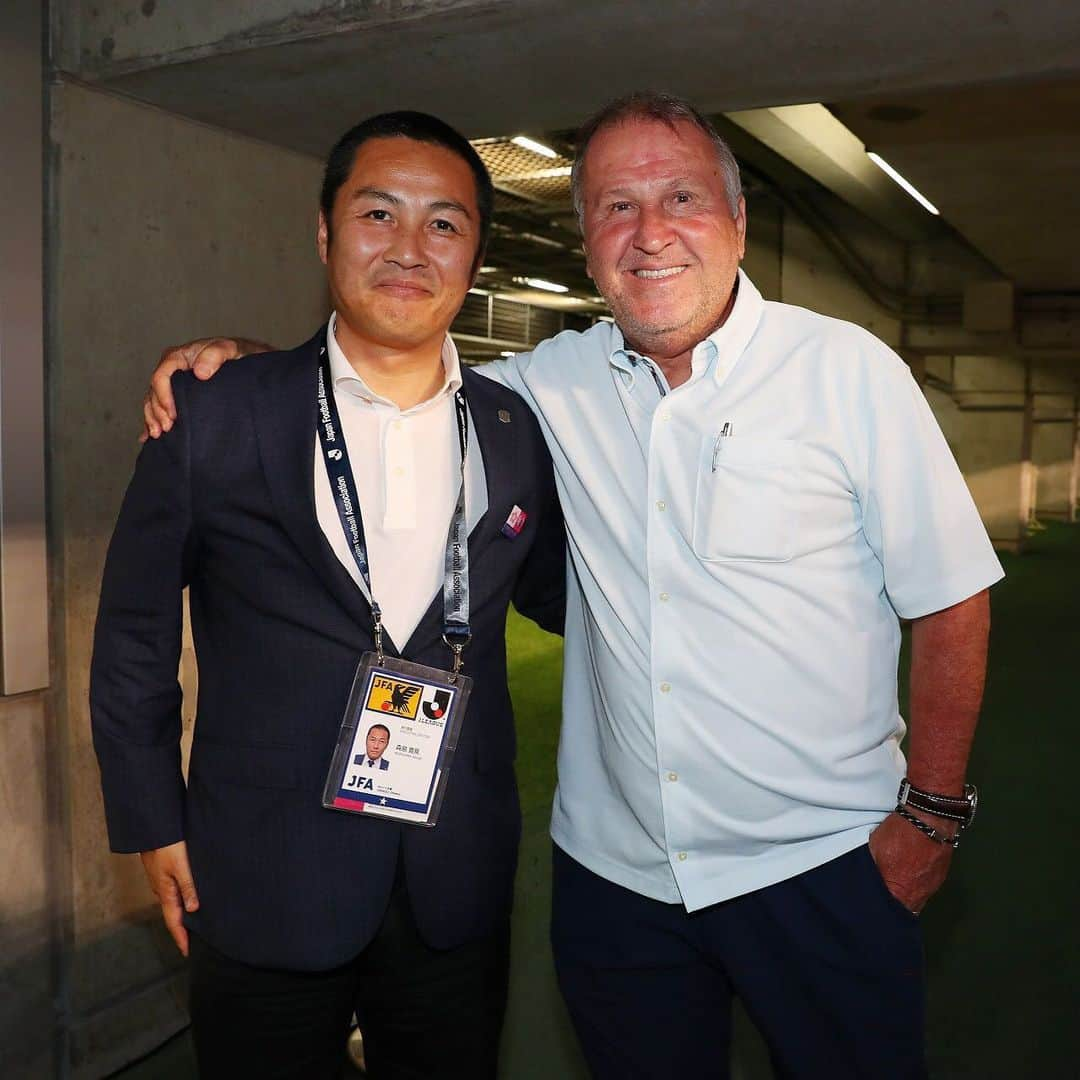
{"points": [[164, 229], [1028, 470], [979, 401], [1074, 472], [1053, 450], [30, 844]]}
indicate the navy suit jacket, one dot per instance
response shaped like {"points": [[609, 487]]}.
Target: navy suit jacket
{"points": [[224, 504]]}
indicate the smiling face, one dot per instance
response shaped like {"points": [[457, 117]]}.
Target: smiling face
{"points": [[660, 239], [377, 739], [401, 251]]}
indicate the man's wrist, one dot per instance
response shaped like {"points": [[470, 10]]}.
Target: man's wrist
{"points": [[959, 807]]}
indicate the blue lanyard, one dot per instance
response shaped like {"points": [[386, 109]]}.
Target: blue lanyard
{"points": [[456, 632]]}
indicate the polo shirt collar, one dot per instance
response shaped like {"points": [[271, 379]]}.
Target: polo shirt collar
{"points": [[721, 349], [345, 378]]}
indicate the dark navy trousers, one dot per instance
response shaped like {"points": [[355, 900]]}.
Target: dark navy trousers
{"points": [[828, 965], [424, 1012]]}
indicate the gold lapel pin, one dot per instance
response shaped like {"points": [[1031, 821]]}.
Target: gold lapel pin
{"points": [[504, 416]]}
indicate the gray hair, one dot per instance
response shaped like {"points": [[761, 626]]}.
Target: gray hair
{"points": [[652, 105]]}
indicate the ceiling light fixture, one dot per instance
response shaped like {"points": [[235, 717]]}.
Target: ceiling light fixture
{"points": [[910, 188], [540, 283], [546, 241], [531, 144]]}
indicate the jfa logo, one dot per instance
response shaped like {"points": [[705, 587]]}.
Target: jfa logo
{"points": [[394, 696]]}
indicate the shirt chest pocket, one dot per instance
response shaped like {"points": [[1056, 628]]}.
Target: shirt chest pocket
{"points": [[747, 499]]}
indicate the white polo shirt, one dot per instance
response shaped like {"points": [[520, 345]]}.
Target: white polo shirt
{"points": [[741, 547], [407, 468]]}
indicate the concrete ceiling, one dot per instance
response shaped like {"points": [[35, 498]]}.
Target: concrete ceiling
{"points": [[1001, 163], [976, 102], [297, 72]]}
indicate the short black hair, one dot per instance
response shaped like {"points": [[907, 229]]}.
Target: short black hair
{"points": [[381, 727], [421, 127]]}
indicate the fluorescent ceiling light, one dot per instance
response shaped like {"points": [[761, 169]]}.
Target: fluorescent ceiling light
{"points": [[507, 352], [488, 269], [540, 283], [531, 144], [479, 292], [536, 238], [910, 188], [536, 174]]}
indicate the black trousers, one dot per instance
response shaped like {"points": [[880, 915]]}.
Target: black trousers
{"points": [[828, 965], [424, 1013]]}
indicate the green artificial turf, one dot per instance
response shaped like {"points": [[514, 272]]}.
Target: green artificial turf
{"points": [[538, 1042], [535, 662], [1002, 939]]}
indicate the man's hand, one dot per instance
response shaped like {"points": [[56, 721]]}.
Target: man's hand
{"points": [[170, 877], [948, 667], [912, 865], [203, 356]]}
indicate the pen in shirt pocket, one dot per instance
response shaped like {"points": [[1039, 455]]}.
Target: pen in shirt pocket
{"points": [[725, 431]]}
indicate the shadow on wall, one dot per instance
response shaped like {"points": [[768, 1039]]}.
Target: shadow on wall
{"points": [[26, 1006], [35, 1026], [104, 1039]]}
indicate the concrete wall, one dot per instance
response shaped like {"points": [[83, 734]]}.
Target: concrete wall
{"points": [[162, 228], [764, 260], [984, 423], [26, 927], [982, 414], [1053, 455], [1054, 450], [812, 278]]}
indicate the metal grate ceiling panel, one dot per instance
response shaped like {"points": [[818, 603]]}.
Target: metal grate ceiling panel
{"points": [[524, 173]]}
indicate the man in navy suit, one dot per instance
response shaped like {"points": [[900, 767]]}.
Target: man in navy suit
{"points": [[299, 915], [378, 737]]}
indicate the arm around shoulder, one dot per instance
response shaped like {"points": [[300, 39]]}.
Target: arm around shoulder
{"points": [[540, 593], [203, 357]]}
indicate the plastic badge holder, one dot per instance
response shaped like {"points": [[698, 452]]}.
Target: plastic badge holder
{"points": [[422, 709]]}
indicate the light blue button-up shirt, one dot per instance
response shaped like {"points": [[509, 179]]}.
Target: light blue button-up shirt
{"points": [[741, 548]]}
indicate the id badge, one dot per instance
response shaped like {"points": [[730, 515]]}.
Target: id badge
{"points": [[397, 741]]}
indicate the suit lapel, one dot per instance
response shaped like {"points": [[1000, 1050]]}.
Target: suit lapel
{"points": [[284, 417], [498, 444]]}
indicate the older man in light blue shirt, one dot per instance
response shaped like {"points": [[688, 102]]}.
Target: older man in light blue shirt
{"points": [[754, 496], [741, 547]]}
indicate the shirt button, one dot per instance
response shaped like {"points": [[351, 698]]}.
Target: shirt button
{"points": [[673, 776], [398, 470], [681, 856], [665, 597], [665, 687], [665, 416], [661, 505], [397, 425]]}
